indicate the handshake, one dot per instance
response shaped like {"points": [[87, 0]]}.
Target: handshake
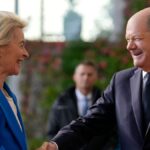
{"points": [[48, 146]]}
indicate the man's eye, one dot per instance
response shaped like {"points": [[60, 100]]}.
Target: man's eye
{"points": [[128, 40], [138, 38]]}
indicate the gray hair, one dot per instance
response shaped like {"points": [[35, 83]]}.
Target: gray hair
{"points": [[8, 22]]}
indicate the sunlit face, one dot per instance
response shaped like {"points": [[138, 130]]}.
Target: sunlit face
{"points": [[85, 77], [138, 42], [13, 54]]}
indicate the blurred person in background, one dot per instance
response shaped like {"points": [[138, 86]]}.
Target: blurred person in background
{"points": [[75, 101], [125, 103], [12, 54]]}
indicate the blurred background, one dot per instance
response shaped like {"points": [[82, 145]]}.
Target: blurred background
{"points": [[59, 35]]}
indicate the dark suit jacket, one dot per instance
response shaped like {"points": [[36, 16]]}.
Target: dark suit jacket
{"points": [[65, 110], [11, 136], [121, 104]]}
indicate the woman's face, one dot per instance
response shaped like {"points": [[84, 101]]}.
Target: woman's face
{"points": [[12, 55]]}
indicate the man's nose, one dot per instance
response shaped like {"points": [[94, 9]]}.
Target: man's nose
{"points": [[131, 45]]}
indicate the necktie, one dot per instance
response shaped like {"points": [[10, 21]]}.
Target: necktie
{"points": [[85, 106], [146, 101]]}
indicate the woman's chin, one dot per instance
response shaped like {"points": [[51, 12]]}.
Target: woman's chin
{"points": [[16, 72]]}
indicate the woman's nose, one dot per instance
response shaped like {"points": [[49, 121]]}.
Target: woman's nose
{"points": [[26, 54]]}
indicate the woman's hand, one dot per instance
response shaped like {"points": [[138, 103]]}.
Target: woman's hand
{"points": [[48, 146]]}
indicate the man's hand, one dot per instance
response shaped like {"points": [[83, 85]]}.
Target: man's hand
{"points": [[48, 146]]}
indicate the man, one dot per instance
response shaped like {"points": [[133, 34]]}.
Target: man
{"points": [[75, 101], [124, 101]]}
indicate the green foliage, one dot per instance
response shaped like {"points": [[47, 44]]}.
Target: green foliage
{"points": [[138, 5], [72, 55], [108, 57], [35, 142]]}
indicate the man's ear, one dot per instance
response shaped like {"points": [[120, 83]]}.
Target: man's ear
{"points": [[0, 51]]}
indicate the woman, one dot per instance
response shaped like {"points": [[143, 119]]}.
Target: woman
{"points": [[12, 53]]}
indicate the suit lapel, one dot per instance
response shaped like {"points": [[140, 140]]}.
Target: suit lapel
{"points": [[136, 96], [10, 117], [75, 104]]}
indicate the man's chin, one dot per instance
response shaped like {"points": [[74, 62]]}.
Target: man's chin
{"points": [[137, 63]]}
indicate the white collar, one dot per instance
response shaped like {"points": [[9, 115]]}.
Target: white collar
{"points": [[144, 74], [82, 96]]}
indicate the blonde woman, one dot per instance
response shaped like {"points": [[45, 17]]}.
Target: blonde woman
{"points": [[12, 53]]}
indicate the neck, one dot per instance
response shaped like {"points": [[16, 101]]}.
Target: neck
{"points": [[85, 91], [1, 85], [2, 80]]}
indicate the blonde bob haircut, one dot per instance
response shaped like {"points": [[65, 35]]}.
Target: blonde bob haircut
{"points": [[8, 22]]}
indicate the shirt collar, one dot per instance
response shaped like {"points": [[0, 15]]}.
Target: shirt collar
{"points": [[144, 74], [81, 96]]}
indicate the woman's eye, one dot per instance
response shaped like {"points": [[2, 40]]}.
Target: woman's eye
{"points": [[22, 45]]}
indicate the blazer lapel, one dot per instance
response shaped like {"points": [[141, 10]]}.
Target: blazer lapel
{"points": [[12, 122], [136, 96]]}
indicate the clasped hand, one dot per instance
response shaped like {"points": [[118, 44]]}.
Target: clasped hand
{"points": [[47, 146]]}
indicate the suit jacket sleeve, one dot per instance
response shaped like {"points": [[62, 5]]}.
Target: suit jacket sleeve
{"points": [[99, 121], [53, 121]]}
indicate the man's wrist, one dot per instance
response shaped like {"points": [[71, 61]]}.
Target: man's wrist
{"points": [[52, 142]]}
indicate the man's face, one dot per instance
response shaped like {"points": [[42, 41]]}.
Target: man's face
{"points": [[85, 77], [138, 42]]}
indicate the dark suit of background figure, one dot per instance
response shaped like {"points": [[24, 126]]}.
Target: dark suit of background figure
{"points": [[65, 110]]}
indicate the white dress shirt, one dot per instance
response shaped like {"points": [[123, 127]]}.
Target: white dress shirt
{"points": [[144, 74], [81, 101], [12, 105]]}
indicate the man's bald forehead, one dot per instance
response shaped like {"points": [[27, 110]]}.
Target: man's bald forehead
{"points": [[143, 12], [141, 18]]}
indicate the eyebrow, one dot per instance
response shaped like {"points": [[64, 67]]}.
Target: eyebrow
{"points": [[22, 41], [134, 35]]}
